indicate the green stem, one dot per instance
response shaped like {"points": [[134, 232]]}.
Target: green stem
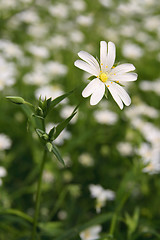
{"points": [[115, 215], [38, 195]]}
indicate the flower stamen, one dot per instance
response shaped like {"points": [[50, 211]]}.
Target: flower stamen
{"points": [[103, 77]]}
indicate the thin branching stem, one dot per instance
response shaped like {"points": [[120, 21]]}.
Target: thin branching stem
{"points": [[38, 195]]}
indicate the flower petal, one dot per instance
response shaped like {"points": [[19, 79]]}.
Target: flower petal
{"points": [[98, 93], [111, 54], [122, 94], [115, 96], [123, 68], [124, 77], [86, 67], [103, 55], [89, 59], [90, 88]]}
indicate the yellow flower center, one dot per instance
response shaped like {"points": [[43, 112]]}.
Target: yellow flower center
{"points": [[103, 77]]}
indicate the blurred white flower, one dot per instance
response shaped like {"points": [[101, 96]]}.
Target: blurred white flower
{"points": [[10, 49], [91, 233], [76, 36], [38, 30], [54, 68], [58, 41], [7, 73], [106, 75], [28, 16], [49, 91], [85, 21], [131, 50], [78, 5], [5, 142], [48, 177], [62, 215], [105, 117], [141, 109], [8, 4], [3, 172], [59, 10], [151, 158], [102, 195], [150, 86], [125, 148], [38, 51], [38, 77], [106, 3], [86, 160], [152, 23]]}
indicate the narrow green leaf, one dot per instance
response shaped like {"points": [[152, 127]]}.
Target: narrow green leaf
{"points": [[51, 133], [17, 213], [63, 124], [57, 100], [57, 154]]}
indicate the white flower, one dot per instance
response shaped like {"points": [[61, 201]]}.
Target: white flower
{"points": [[105, 117], [102, 195], [91, 233], [86, 160], [3, 172], [5, 142], [131, 50], [106, 75]]}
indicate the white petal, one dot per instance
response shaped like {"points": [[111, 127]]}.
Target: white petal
{"points": [[122, 94], [115, 96], [98, 93], [103, 55], [86, 67], [123, 68], [111, 54], [124, 77], [89, 59], [90, 87]]}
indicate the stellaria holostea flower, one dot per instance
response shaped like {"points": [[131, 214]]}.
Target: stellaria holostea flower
{"points": [[91, 233], [106, 75]]}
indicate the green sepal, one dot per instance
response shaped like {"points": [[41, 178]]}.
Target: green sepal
{"points": [[16, 99], [63, 124], [49, 146], [91, 78], [57, 154], [46, 106]]}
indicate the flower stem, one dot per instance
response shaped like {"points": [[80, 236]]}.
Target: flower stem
{"points": [[115, 215], [38, 195]]}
